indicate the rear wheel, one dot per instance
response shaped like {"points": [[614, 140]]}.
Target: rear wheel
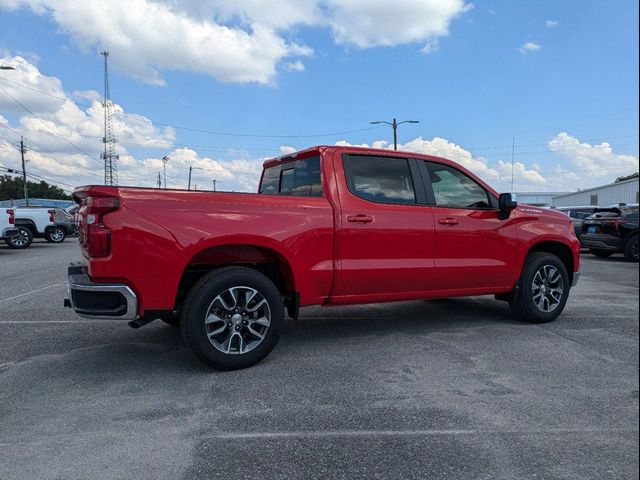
{"points": [[56, 235], [631, 248], [601, 253], [543, 289], [22, 240], [232, 318]]}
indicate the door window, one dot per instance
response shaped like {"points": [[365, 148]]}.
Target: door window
{"points": [[380, 179], [454, 189]]}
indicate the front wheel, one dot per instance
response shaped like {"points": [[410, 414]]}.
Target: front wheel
{"points": [[232, 318], [543, 289], [22, 240], [631, 248], [56, 235]]}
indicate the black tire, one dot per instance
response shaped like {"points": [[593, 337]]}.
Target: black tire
{"points": [[601, 253], [174, 321], [631, 248], [522, 301], [56, 235], [201, 299], [22, 240]]}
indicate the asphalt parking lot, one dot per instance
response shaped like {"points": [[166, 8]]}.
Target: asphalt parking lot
{"points": [[441, 389]]}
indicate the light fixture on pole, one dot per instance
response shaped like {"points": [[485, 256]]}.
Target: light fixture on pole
{"points": [[165, 159], [6, 67], [190, 170], [394, 124]]}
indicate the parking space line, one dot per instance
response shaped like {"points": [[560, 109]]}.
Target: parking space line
{"points": [[32, 292], [61, 321], [414, 433]]}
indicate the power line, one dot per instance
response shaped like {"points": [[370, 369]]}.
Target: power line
{"points": [[45, 123], [136, 117]]}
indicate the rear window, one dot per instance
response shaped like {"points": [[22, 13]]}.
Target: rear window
{"points": [[380, 179], [300, 178]]}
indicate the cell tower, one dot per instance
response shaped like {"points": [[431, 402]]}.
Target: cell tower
{"points": [[109, 156]]}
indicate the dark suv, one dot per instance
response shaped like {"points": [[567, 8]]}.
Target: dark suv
{"points": [[612, 230]]}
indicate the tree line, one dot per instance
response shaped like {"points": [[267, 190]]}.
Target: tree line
{"points": [[11, 188]]}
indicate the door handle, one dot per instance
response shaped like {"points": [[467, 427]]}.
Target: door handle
{"points": [[448, 221], [360, 218]]}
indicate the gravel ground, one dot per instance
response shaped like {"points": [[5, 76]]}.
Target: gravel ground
{"points": [[426, 389]]}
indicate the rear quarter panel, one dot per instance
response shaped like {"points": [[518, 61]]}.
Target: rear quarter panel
{"points": [[155, 235]]}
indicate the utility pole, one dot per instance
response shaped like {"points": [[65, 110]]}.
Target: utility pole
{"points": [[159, 181], [24, 172], [394, 124], [165, 159], [190, 169]]}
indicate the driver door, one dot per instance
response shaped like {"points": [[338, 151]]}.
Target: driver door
{"points": [[474, 249]]}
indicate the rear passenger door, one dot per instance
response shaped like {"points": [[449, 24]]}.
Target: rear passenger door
{"points": [[474, 248], [384, 229]]}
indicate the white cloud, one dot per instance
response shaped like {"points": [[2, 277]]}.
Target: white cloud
{"points": [[369, 23], [590, 161], [296, 66], [529, 47], [551, 23], [145, 37], [286, 149], [236, 40], [521, 173]]}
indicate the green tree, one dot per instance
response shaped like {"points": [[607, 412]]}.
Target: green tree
{"points": [[11, 189]]}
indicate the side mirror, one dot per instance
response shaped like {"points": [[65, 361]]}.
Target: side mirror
{"points": [[506, 203]]}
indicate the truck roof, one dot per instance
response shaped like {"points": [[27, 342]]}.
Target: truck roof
{"points": [[307, 152]]}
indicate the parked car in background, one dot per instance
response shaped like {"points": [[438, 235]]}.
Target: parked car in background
{"points": [[64, 220], [612, 230], [330, 226], [41, 223], [577, 215], [8, 230]]}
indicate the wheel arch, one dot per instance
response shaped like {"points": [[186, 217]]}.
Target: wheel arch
{"points": [[266, 259], [557, 248]]}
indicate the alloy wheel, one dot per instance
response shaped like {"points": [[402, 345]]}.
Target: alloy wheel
{"points": [[21, 239], [237, 320], [547, 288], [57, 235]]}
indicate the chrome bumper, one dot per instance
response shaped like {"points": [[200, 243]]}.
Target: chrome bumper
{"points": [[576, 277], [103, 301]]}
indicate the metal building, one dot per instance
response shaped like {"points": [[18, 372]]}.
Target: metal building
{"points": [[538, 199], [625, 191]]}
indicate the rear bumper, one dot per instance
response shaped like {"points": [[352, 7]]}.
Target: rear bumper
{"points": [[9, 233], [105, 301]]}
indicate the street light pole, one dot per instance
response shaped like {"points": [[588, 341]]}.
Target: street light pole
{"points": [[394, 125], [214, 184], [191, 169], [165, 159]]}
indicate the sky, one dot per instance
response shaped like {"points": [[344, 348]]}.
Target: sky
{"points": [[222, 85]]}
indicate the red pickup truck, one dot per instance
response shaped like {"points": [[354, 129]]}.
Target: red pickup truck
{"points": [[330, 226]]}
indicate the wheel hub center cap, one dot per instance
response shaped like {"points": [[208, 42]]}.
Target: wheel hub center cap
{"points": [[236, 319]]}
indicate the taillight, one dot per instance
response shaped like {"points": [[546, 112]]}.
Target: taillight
{"points": [[12, 216], [98, 236], [52, 214]]}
